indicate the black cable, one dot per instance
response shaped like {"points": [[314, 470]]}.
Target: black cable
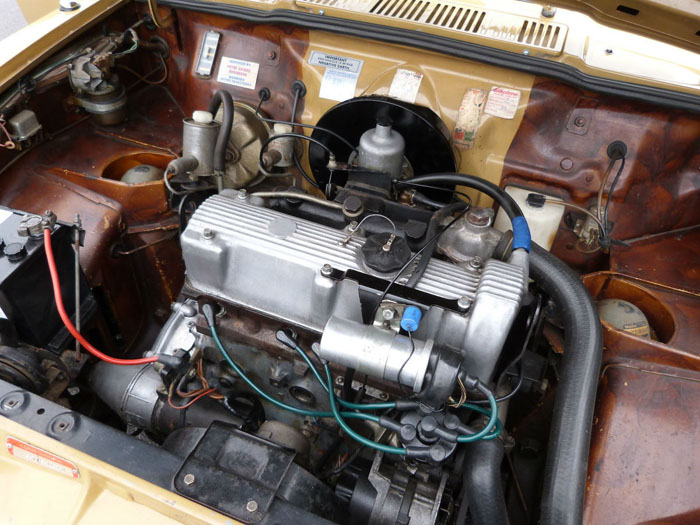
{"points": [[346, 463], [516, 388], [309, 126], [295, 104], [610, 192], [292, 122], [410, 355], [303, 173], [294, 136], [433, 225], [413, 258], [509, 205], [296, 159], [437, 188], [515, 361]]}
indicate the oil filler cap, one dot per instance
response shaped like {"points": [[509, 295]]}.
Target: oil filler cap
{"points": [[385, 253], [202, 117]]}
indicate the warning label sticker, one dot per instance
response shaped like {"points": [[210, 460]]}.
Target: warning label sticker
{"points": [[239, 73], [502, 102], [405, 85], [340, 77], [32, 454], [351, 65]]}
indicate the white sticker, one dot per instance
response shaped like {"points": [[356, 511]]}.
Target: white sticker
{"points": [[327, 60], [502, 102], [239, 73], [405, 85], [338, 85]]}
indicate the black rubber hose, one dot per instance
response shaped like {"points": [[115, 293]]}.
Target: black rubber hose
{"points": [[459, 179], [430, 232], [483, 484], [569, 437], [419, 198], [521, 231], [220, 98]]}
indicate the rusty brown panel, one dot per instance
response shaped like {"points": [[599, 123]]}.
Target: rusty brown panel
{"points": [[622, 347], [133, 295], [154, 125], [658, 190], [644, 458], [154, 120], [278, 50], [66, 175], [673, 314], [672, 260], [101, 219]]}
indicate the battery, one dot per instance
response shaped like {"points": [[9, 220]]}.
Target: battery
{"points": [[28, 312]]}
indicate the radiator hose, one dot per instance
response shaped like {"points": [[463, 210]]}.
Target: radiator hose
{"points": [[483, 484], [569, 437]]}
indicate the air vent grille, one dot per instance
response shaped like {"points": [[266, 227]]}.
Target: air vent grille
{"points": [[455, 17]]}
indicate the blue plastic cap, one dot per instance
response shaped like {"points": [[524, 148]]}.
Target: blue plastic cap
{"points": [[521, 233], [411, 318]]}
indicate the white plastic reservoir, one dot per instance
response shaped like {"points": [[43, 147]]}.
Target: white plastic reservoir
{"points": [[543, 222]]}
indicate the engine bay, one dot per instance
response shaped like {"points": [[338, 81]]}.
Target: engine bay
{"points": [[316, 277]]}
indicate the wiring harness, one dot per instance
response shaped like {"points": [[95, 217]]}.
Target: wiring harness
{"points": [[461, 434]]}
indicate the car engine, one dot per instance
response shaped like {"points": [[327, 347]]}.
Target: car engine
{"points": [[231, 277], [324, 300]]}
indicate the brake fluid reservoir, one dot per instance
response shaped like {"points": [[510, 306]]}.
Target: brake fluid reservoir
{"points": [[543, 221]]}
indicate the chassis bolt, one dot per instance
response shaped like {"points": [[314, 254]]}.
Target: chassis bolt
{"points": [[475, 262], [252, 506], [188, 479], [326, 270], [208, 234], [388, 314]]}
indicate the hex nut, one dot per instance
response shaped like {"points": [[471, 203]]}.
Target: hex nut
{"points": [[475, 262], [388, 314], [463, 303]]}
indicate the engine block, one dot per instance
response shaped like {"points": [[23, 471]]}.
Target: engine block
{"points": [[247, 255]]}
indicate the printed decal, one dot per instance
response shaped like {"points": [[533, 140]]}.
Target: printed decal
{"points": [[502, 102], [32, 454], [239, 73]]}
